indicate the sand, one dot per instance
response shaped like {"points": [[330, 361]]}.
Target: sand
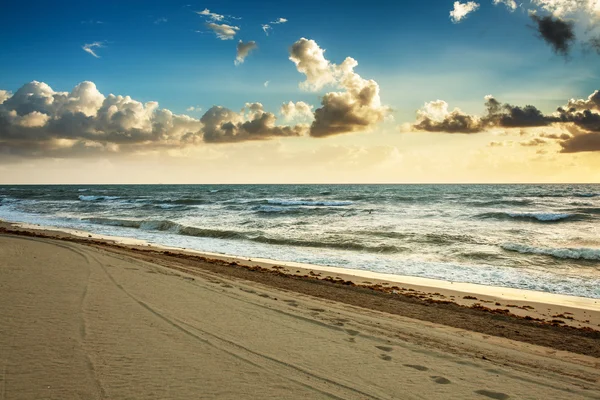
{"points": [[90, 319]]}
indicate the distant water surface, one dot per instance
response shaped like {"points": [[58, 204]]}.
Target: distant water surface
{"points": [[540, 237]]}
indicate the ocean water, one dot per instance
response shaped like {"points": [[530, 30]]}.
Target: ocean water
{"points": [[539, 237]]}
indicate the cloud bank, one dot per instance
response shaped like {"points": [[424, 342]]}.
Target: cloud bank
{"points": [[579, 119], [37, 120]]}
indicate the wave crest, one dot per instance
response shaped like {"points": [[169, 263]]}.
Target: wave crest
{"points": [[582, 253], [531, 216]]}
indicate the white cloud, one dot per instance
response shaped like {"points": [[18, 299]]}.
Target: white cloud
{"points": [[243, 50], [212, 16], [357, 108], [266, 84], [298, 110], [89, 48], [223, 31], [510, 4], [39, 120], [461, 10], [4, 95], [267, 27], [193, 109], [161, 20], [310, 60]]}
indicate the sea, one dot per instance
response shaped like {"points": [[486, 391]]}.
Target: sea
{"points": [[537, 237]]}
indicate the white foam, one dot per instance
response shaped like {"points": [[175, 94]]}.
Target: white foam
{"points": [[582, 253]]}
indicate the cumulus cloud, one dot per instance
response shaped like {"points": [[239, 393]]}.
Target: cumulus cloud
{"points": [[266, 84], [563, 8], [37, 120], [310, 60], [223, 31], [89, 48], [222, 125], [461, 10], [4, 95], [579, 120], [510, 4], [435, 117], [243, 50], [559, 34], [298, 110], [356, 108]]}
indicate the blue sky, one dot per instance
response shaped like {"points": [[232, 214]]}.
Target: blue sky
{"points": [[403, 44]]}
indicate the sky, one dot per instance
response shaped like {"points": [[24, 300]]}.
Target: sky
{"points": [[438, 91]]}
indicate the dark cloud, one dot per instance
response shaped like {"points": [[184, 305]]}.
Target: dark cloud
{"points": [[435, 117], [222, 125], [559, 34], [581, 143], [579, 117], [533, 142]]}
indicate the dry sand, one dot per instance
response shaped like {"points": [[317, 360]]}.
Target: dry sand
{"points": [[98, 320]]}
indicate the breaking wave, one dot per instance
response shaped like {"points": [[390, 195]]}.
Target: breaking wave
{"points": [[532, 217], [309, 203], [582, 253], [97, 198], [255, 236]]}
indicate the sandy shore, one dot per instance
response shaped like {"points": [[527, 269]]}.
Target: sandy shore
{"points": [[86, 318]]}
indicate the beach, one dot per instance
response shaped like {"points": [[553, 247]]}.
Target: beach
{"points": [[91, 318]]}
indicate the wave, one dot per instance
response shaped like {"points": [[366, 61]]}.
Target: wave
{"points": [[97, 198], [522, 202], [309, 203], [532, 216], [255, 236], [586, 194], [587, 210], [582, 253]]}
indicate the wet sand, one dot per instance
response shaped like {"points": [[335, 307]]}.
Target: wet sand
{"points": [[87, 318]]}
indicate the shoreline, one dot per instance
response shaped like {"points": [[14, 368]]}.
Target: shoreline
{"points": [[543, 309], [426, 284]]}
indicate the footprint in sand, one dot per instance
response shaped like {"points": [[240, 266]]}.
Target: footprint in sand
{"points": [[440, 379], [385, 348], [493, 395], [351, 332], [266, 296], [385, 357], [417, 367], [292, 303], [317, 309]]}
